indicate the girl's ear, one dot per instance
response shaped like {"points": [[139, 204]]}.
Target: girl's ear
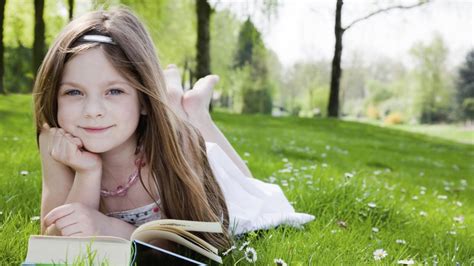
{"points": [[143, 111]]}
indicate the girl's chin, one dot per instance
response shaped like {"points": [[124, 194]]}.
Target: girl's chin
{"points": [[96, 148]]}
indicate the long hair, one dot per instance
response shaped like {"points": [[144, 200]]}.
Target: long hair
{"points": [[175, 151]]}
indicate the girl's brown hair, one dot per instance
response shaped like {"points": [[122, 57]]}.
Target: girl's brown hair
{"points": [[175, 151]]}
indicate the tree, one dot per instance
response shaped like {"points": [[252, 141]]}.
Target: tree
{"points": [[251, 55], [2, 66], [465, 87], [434, 93], [39, 41], [336, 71], [71, 9], [203, 12]]}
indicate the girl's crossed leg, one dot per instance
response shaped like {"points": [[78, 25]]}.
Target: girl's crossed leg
{"points": [[193, 105]]}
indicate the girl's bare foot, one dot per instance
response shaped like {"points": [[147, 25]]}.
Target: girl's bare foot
{"points": [[174, 89], [196, 101]]}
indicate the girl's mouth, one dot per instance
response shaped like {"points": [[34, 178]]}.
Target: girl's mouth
{"points": [[96, 129]]}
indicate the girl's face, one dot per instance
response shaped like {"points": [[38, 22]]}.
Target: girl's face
{"points": [[97, 104]]}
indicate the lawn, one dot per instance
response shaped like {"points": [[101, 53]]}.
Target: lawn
{"points": [[369, 187]]}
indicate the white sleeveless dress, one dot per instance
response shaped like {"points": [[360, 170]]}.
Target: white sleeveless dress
{"points": [[252, 204]]}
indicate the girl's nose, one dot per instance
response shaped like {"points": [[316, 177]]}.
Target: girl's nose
{"points": [[94, 108]]}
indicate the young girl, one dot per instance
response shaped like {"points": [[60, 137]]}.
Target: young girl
{"points": [[121, 145]]}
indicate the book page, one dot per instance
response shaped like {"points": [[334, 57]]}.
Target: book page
{"points": [[147, 236], [188, 236], [210, 227]]}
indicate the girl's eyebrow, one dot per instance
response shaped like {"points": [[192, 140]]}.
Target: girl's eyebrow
{"points": [[105, 84]]}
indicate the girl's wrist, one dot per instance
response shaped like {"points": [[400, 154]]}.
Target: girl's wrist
{"points": [[90, 173]]}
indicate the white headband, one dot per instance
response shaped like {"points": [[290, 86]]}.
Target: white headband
{"points": [[98, 38]]}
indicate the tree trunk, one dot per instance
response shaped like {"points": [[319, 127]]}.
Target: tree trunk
{"points": [[39, 41], [203, 67], [203, 10], [336, 71], [71, 9], [2, 62]]}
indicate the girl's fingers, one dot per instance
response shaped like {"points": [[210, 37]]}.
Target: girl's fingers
{"points": [[65, 221], [72, 229], [46, 126], [76, 141], [57, 213]]}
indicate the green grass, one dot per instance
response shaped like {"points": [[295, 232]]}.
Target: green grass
{"points": [[401, 173], [454, 132]]}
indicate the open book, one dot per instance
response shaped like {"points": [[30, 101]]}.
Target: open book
{"points": [[118, 251]]}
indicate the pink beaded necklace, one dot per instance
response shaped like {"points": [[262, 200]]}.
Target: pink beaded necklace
{"points": [[121, 191]]}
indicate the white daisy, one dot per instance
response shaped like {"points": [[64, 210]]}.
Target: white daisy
{"points": [[406, 262], [379, 254], [459, 219], [250, 254], [423, 213], [442, 197], [246, 243], [34, 218], [372, 204], [280, 262], [24, 172], [375, 229], [400, 241], [348, 175]]}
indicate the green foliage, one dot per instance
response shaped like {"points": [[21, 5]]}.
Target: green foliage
{"points": [[465, 87], [257, 101], [251, 52], [435, 95], [224, 34], [18, 73], [18, 40], [306, 89]]}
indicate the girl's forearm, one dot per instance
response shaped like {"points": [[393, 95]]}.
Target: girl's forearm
{"points": [[119, 228], [86, 189]]}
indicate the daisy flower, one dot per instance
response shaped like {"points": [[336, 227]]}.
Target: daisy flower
{"points": [[379, 254], [348, 175], [406, 262], [459, 219], [250, 254], [246, 243], [372, 205], [24, 172], [400, 241], [280, 262]]}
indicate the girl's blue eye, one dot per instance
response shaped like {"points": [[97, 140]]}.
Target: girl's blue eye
{"points": [[73, 92], [115, 91]]}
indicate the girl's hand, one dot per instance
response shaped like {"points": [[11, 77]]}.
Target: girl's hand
{"points": [[68, 150], [76, 219]]}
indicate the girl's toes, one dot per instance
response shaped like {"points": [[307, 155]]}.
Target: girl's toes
{"points": [[172, 78]]}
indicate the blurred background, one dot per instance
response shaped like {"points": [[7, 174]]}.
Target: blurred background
{"points": [[408, 64]]}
